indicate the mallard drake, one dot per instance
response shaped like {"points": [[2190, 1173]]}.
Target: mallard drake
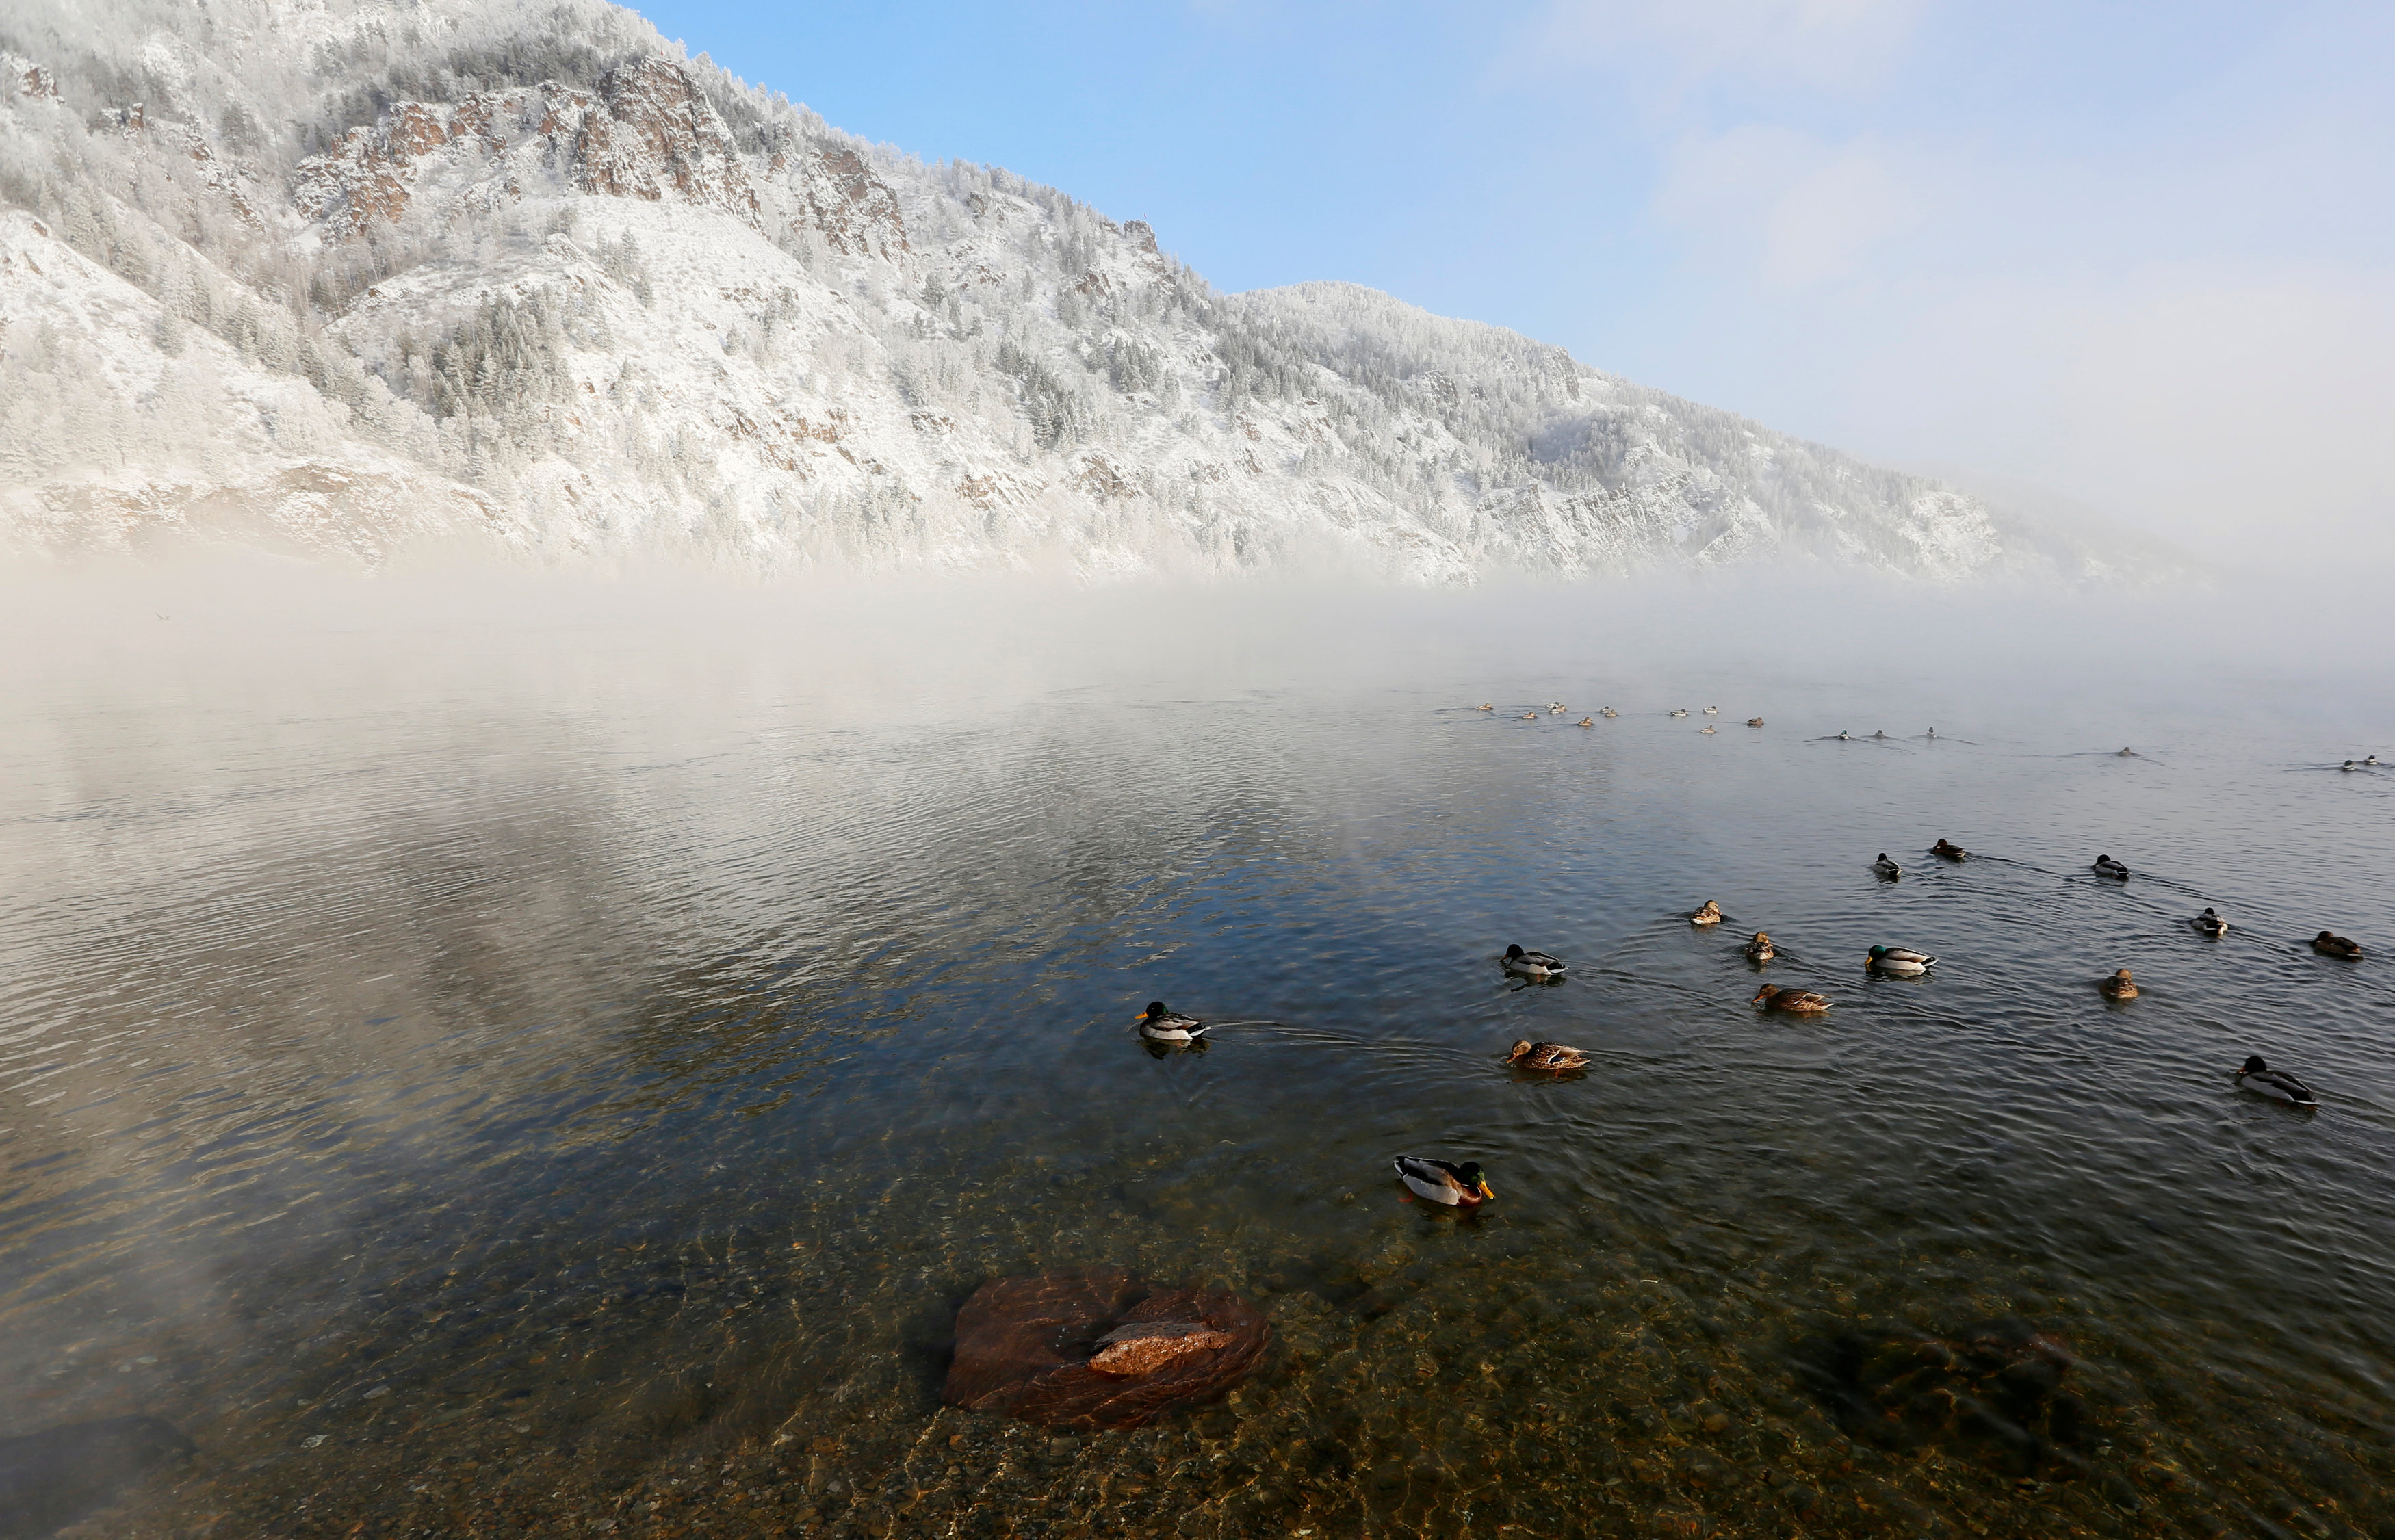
{"points": [[1901, 960], [1159, 1025], [2349, 765], [2107, 867], [1948, 849], [1679, 711], [1445, 1181], [1760, 950], [2279, 1084], [2336, 946], [2370, 760], [2118, 986], [1885, 867], [2211, 926], [1755, 721], [1799, 1002], [1533, 964], [1709, 915], [1528, 1055]]}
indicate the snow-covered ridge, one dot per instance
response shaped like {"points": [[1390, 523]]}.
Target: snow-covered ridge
{"points": [[350, 274]]}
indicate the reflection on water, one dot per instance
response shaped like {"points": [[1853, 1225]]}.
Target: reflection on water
{"points": [[582, 1106]]}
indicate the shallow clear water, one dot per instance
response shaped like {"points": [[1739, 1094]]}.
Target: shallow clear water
{"points": [[470, 1089]]}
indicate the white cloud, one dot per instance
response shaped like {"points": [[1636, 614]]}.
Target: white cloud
{"points": [[1799, 210], [1835, 43], [2252, 408], [2031, 240], [2237, 409]]}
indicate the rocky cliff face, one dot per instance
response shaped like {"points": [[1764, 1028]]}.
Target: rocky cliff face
{"points": [[526, 276]]}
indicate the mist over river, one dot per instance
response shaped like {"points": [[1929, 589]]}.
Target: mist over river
{"points": [[488, 1056]]}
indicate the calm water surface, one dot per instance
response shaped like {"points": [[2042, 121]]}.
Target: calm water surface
{"points": [[479, 1093]]}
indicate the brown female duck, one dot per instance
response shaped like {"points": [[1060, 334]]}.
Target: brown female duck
{"points": [[1528, 1055]]}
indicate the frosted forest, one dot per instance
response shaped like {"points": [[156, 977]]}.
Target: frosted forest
{"points": [[346, 278]]}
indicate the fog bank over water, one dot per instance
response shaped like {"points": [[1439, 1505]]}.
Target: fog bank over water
{"points": [[863, 651]]}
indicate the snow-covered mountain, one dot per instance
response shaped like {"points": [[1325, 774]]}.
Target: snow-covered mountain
{"points": [[341, 275]]}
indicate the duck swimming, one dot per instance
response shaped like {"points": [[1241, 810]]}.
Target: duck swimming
{"points": [[2126, 754], [1706, 731], [1760, 950], [2349, 765], [1528, 1055], [1902, 961], [1712, 711], [2278, 1084], [1588, 721], [1555, 707], [1488, 705], [1608, 713], [1797, 1002], [1755, 721], [2107, 867], [2336, 946], [1679, 711], [1530, 716], [1885, 867], [1710, 914], [1533, 964], [2118, 986], [1159, 1025], [1444, 1182], [1948, 849], [2211, 926]]}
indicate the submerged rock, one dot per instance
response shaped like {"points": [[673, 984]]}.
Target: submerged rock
{"points": [[1097, 1348], [1993, 1390], [1143, 1348], [55, 1477]]}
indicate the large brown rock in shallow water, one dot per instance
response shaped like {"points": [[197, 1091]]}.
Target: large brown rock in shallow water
{"points": [[1995, 1390], [1098, 1349]]}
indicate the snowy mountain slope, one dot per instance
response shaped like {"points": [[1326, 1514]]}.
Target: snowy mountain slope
{"points": [[355, 273], [172, 433]]}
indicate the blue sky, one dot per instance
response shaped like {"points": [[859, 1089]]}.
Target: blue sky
{"points": [[2140, 255]]}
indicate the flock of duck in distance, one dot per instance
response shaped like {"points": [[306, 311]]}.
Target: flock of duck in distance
{"points": [[1461, 1184]]}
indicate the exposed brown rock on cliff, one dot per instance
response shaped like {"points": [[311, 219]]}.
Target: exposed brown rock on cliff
{"points": [[855, 209], [648, 133], [661, 131]]}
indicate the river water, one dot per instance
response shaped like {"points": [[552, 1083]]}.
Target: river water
{"points": [[564, 1075]]}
